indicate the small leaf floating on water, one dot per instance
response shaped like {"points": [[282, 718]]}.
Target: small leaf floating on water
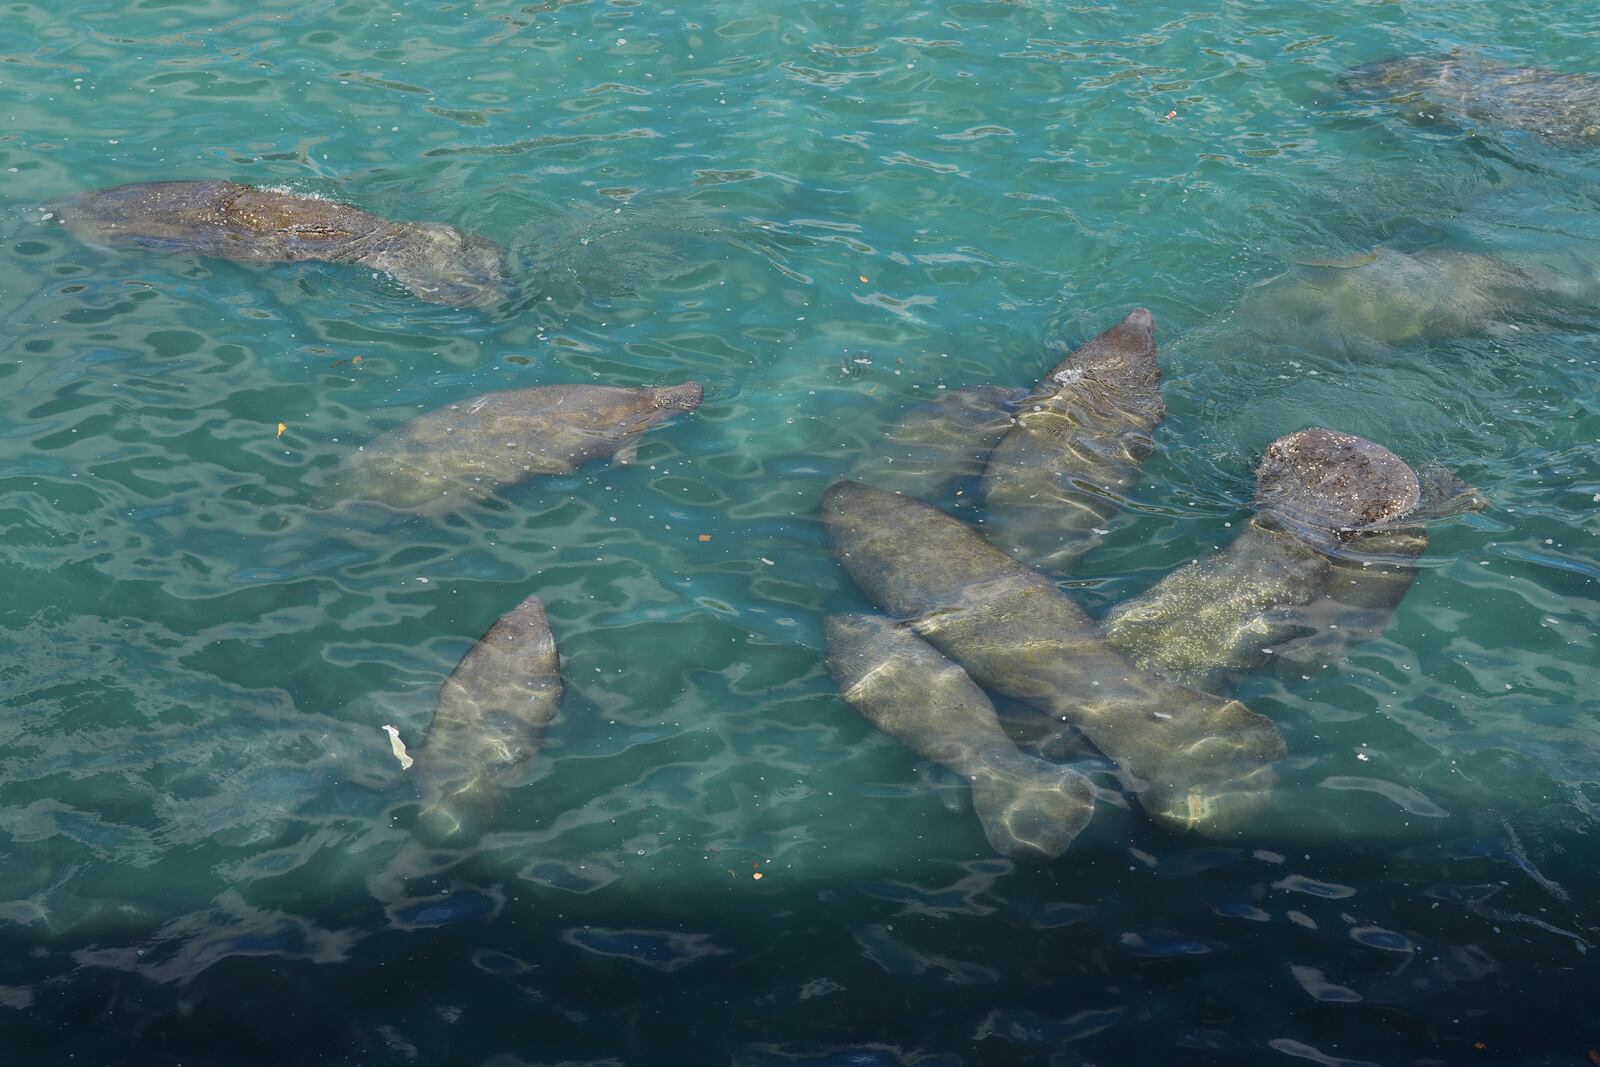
{"points": [[398, 747]]}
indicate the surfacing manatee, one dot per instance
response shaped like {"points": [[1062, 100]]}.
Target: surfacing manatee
{"points": [[489, 717], [1326, 558], [1392, 297], [1028, 806], [937, 445], [1466, 89], [1058, 474], [438, 263], [474, 447], [1198, 761]]}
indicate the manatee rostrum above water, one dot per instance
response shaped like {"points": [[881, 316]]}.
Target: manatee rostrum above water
{"points": [[489, 717], [1028, 806], [1197, 760], [476, 446], [1079, 439], [1463, 88], [1326, 559], [437, 262]]}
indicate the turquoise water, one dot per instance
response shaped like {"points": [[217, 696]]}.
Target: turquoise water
{"points": [[825, 213]]}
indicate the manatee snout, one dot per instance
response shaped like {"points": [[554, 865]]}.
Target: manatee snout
{"points": [[685, 397], [1141, 319], [1329, 480]]}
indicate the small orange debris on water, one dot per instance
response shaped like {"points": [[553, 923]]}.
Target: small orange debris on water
{"points": [[756, 876], [704, 537], [355, 359], [281, 428], [863, 277]]}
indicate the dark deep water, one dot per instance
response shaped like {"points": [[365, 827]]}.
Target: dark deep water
{"points": [[825, 213]]}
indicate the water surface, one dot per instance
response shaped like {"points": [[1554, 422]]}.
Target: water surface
{"points": [[825, 213]]}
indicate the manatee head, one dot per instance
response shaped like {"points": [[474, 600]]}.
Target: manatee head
{"points": [[1329, 481], [685, 397], [444, 265], [1128, 350]]}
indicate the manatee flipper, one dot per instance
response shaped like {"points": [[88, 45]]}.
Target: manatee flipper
{"points": [[1197, 761], [1058, 475], [489, 717], [1028, 806]]}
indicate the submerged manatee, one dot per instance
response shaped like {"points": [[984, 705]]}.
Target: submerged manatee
{"points": [[490, 714], [1391, 297], [937, 445], [472, 448], [438, 263], [1326, 557], [1028, 806], [1079, 439], [1466, 89], [1198, 761]]}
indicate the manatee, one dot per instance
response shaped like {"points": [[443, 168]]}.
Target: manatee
{"points": [[489, 717], [1326, 557], [1028, 806], [1197, 760], [935, 446], [1370, 570], [474, 447], [1470, 90], [438, 263], [1056, 477], [1392, 297]]}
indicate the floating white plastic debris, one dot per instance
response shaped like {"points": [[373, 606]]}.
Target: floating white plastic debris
{"points": [[398, 747]]}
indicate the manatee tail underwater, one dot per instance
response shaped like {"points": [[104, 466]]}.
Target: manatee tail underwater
{"points": [[1031, 807]]}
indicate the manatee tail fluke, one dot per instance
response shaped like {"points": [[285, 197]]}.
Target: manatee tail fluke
{"points": [[1032, 808], [457, 814]]}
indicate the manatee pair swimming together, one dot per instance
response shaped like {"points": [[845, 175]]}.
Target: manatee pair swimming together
{"points": [[507, 687], [1055, 461], [1558, 107], [438, 263], [1325, 549]]}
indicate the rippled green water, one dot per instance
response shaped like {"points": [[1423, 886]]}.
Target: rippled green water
{"points": [[824, 213]]}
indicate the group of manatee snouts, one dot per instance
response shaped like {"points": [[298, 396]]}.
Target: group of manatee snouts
{"points": [[1326, 557]]}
